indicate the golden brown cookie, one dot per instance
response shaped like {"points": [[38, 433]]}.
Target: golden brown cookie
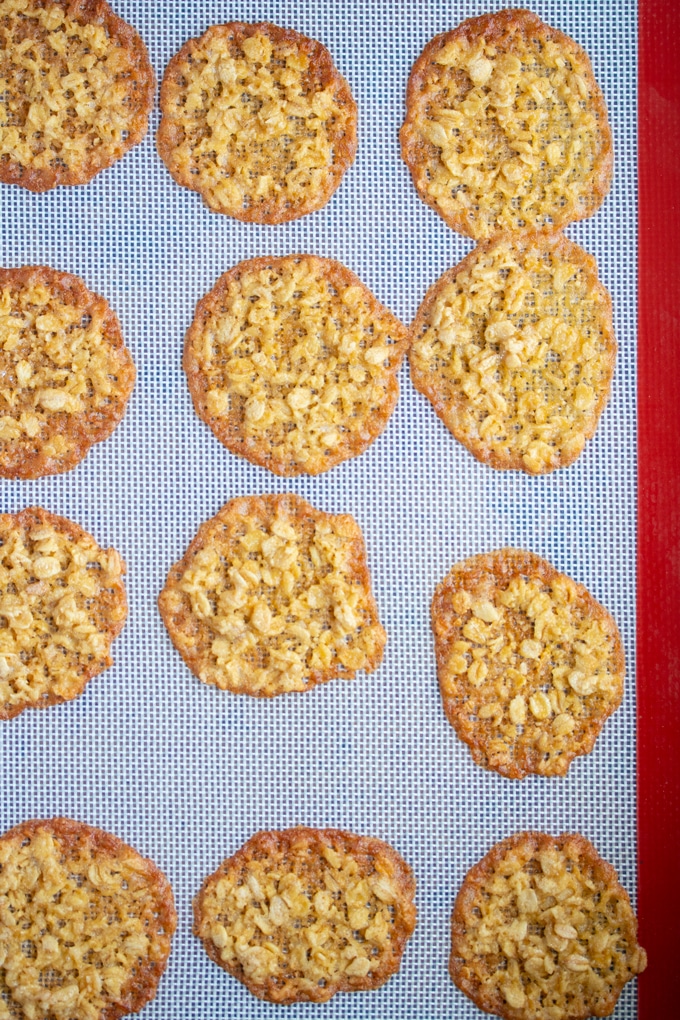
{"points": [[65, 372], [302, 914], [258, 120], [542, 930], [76, 89], [292, 363], [62, 602], [506, 128], [273, 596], [530, 666], [515, 350], [85, 923]]}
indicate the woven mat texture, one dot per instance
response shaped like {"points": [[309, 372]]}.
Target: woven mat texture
{"points": [[186, 773]]}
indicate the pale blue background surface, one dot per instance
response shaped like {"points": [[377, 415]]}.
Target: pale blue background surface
{"points": [[186, 773]]}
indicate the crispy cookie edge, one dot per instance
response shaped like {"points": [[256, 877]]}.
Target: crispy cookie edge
{"points": [[474, 881], [259, 452], [98, 12], [266, 507], [142, 985], [505, 564], [344, 142], [35, 515], [495, 26], [273, 841], [424, 382], [96, 426]]}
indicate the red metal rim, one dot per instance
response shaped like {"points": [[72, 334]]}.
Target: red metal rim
{"points": [[658, 639]]}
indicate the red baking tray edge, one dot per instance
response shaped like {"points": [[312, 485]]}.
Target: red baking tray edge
{"points": [[658, 582]]}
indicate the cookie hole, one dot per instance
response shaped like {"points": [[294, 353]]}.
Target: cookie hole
{"points": [[29, 949], [50, 978]]}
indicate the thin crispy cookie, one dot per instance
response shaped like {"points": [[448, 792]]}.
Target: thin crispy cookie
{"points": [[258, 120], [542, 930], [76, 89], [292, 363], [530, 666], [66, 372], [506, 128], [62, 603], [273, 596], [85, 923], [515, 350], [302, 914]]}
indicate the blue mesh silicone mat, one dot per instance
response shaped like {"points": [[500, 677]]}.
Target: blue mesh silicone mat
{"points": [[186, 773]]}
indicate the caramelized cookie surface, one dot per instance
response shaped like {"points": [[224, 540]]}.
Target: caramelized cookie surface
{"points": [[85, 923], [76, 89], [515, 350], [506, 128], [273, 596], [530, 665], [66, 373], [258, 120], [62, 603], [542, 930], [302, 914], [292, 363]]}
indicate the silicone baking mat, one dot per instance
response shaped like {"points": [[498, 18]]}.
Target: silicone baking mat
{"points": [[658, 634], [186, 773]]}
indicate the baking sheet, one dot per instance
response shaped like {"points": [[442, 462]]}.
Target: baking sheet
{"points": [[186, 773]]}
